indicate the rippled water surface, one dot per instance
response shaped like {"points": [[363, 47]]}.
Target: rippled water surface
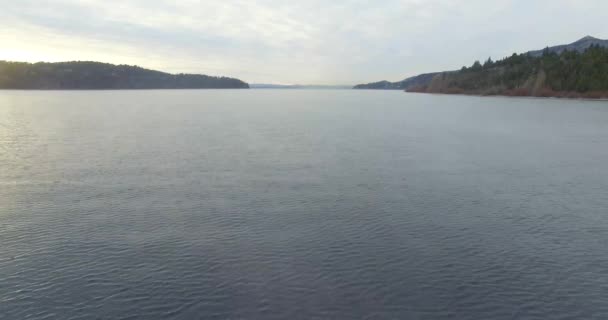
{"points": [[270, 204]]}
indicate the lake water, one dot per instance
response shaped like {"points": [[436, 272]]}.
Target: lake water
{"points": [[270, 204]]}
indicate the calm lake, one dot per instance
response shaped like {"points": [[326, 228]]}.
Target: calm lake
{"points": [[301, 204]]}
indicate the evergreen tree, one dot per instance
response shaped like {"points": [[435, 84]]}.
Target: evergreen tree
{"points": [[488, 63], [476, 66]]}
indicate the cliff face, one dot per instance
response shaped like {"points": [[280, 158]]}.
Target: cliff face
{"points": [[534, 85], [95, 75]]}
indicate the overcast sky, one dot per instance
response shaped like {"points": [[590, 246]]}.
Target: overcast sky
{"points": [[305, 42]]}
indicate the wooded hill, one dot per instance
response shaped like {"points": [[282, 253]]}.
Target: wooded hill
{"points": [[96, 75], [551, 74]]}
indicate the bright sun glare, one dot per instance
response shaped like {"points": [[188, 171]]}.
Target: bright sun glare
{"points": [[25, 55]]}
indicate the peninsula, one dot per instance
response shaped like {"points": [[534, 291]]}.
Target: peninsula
{"points": [[576, 70]]}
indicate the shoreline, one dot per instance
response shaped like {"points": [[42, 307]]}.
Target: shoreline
{"points": [[604, 99]]}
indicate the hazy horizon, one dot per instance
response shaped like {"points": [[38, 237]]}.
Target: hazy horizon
{"points": [[305, 43]]}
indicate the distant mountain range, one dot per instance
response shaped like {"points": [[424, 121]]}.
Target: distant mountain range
{"points": [[578, 46], [425, 79], [297, 86], [96, 75]]}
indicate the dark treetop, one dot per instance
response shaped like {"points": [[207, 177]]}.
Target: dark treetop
{"points": [[96, 75]]}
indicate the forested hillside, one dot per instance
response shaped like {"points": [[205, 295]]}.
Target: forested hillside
{"points": [[96, 75], [565, 74]]}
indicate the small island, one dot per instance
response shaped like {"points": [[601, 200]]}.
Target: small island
{"points": [[88, 75]]}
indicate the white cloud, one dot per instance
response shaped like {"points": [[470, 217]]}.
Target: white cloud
{"points": [[292, 42]]}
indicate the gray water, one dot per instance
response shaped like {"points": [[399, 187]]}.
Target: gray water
{"points": [[294, 204]]}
